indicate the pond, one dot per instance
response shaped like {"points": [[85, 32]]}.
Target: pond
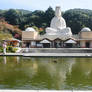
{"points": [[45, 73]]}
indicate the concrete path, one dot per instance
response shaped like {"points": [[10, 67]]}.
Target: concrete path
{"points": [[58, 54], [49, 54], [11, 54], [52, 52]]}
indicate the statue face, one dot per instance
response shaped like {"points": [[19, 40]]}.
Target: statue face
{"points": [[58, 12]]}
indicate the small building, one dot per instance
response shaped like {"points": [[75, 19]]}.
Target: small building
{"points": [[30, 38], [13, 42], [70, 43], [85, 38]]}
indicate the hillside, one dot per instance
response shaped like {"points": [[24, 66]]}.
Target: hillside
{"points": [[78, 18], [24, 11], [8, 30], [21, 19]]}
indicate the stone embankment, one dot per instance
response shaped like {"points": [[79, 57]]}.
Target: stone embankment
{"points": [[52, 52]]}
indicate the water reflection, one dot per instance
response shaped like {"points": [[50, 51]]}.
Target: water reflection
{"points": [[4, 60], [18, 59], [43, 73]]}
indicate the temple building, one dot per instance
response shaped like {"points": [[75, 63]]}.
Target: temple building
{"points": [[58, 35], [85, 38]]}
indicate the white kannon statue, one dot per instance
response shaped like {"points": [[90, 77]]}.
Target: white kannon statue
{"points": [[58, 26]]}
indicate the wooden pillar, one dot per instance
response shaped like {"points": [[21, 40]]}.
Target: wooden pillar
{"points": [[23, 44], [90, 44], [62, 44], [30, 44], [53, 44]]}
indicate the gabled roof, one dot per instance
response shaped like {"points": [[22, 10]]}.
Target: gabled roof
{"points": [[70, 41], [30, 29], [45, 41]]}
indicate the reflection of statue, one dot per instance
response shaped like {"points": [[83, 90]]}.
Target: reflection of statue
{"points": [[58, 26], [59, 71]]}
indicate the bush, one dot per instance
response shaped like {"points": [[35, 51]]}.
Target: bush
{"points": [[8, 49], [11, 49], [1, 49]]}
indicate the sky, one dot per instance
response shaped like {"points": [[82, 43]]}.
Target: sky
{"points": [[44, 4]]}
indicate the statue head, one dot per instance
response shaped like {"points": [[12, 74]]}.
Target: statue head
{"points": [[58, 11]]}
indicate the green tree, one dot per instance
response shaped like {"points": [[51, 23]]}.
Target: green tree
{"points": [[78, 18], [12, 16], [49, 14]]}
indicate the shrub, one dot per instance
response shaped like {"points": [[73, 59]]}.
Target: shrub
{"points": [[8, 49], [11, 49], [1, 49]]}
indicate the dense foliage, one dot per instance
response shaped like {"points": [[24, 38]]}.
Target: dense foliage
{"points": [[78, 18], [8, 49], [8, 31], [75, 18]]}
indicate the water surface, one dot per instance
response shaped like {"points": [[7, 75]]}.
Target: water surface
{"points": [[45, 73]]}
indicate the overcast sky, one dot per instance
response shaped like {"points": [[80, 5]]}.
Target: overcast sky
{"points": [[44, 4]]}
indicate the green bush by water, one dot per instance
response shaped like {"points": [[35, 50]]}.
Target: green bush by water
{"points": [[1, 49], [9, 49]]}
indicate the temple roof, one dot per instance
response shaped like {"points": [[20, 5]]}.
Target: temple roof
{"points": [[45, 41], [86, 29], [70, 41], [30, 29]]}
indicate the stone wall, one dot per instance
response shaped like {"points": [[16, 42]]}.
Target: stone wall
{"points": [[86, 35]]}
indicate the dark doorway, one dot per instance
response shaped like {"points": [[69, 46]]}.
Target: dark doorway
{"points": [[27, 44], [69, 45], [87, 44], [46, 45], [57, 45]]}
